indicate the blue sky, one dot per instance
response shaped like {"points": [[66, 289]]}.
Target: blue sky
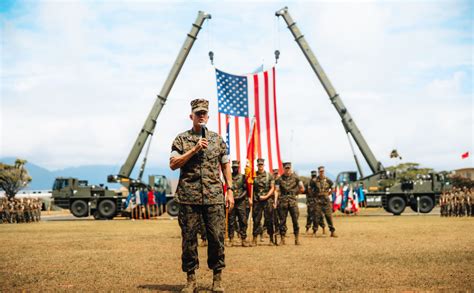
{"points": [[78, 78]]}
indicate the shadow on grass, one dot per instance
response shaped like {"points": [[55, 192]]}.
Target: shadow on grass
{"points": [[163, 287], [169, 288]]}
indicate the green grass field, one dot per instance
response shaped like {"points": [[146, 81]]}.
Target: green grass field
{"points": [[408, 252]]}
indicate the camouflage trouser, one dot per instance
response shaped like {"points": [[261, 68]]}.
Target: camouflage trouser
{"points": [[288, 205], [311, 218], [323, 207], [202, 229], [189, 218], [443, 210], [257, 213], [239, 213], [269, 215]]}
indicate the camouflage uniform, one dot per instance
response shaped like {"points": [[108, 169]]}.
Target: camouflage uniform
{"points": [[443, 204], [288, 187], [311, 207], [200, 193], [239, 212], [321, 187], [261, 186]]}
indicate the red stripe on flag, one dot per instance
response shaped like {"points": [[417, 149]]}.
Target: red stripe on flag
{"points": [[219, 122], [280, 167], [267, 122], [257, 113], [237, 137], [247, 129]]}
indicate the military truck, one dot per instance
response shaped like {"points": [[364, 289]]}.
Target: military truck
{"points": [[394, 193], [84, 200]]}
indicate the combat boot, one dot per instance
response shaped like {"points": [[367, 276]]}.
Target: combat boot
{"points": [[245, 243], [254, 241], [272, 240], [333, 234], [297, 240], [282, 241], [217, 282], [261, 238], [191, 285], [230, 242]]}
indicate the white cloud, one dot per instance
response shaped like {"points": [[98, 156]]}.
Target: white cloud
{"points": [[79, 78]]}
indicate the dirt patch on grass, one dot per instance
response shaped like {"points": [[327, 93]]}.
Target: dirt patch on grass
{"points": [[371, 253]]}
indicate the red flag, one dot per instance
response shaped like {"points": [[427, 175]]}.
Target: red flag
{"points": [[252, 147], [465, 155]]}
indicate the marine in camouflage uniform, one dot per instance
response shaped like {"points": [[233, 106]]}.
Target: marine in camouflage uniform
{"points": [[239, 212], [450, 201], [443, 204], [466, 201], [322, 188], [311, 207], [263, 203], [200, 193], [288, 186]]}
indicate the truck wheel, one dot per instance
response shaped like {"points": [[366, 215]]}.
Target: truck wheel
{"points": [[79, 208], [172, 208], [107, 209], [396, 205], [426, 204]]}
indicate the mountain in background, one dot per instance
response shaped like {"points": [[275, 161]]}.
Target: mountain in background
{"points": [[42, 178]]}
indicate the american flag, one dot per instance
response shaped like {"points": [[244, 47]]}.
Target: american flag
{"points": [[240, 98]]}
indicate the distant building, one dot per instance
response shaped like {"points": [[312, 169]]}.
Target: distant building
{"points": [[465, 172]]}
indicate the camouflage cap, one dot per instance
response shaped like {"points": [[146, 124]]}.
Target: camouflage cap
{"points": [[260, 161], [287, 165], [199, 105], [276, 171], [314, 173], [235, 164]]}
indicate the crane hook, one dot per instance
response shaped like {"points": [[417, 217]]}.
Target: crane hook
{"points": [[211, 57]]}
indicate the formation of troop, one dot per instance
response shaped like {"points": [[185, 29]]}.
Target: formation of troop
{"points": [[20, 210], [273, 197], [457, 202]]}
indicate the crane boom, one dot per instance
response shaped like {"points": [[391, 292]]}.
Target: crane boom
{"points": [[150, 122], [347, 121]]}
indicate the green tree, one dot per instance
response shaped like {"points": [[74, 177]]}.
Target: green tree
{"points": [[405, 172], [13, 178]]}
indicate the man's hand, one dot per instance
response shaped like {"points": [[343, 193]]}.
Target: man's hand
{"points": [[229, 199], [275, 204], [201, 144]]}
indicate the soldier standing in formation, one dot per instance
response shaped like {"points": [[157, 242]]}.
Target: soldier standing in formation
{"points": [[240, 208], [263, 189], [311, 207], [457, 202], [288, 186], [198, 153], [23, 210], [322, 188]]}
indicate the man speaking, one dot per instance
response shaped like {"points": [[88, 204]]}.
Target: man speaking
{"points": [[198, 153]]}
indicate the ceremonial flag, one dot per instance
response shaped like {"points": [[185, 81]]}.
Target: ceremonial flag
{"points": [[250, 171], [338, 200], [465, 155], [242, 97], [350, 199], [345, 196], [361, 194], [355, 202]]}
